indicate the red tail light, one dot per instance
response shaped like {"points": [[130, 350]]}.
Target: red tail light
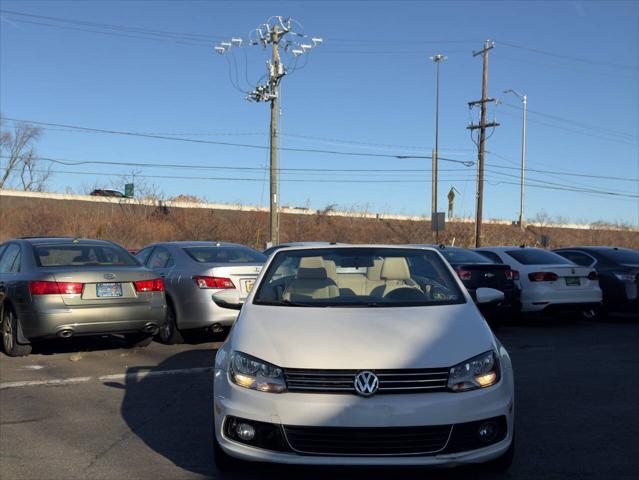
{"points": [[543, 277], [55, 288], [511, 274], [155, 285], [593, 276], [463, 274], [203, 281]]}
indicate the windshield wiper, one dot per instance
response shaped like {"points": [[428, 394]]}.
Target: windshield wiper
{"points": [[286, 303]]}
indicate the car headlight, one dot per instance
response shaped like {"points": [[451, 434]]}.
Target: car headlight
{"points": [[250, 372], [478, 372], [625, 277]]}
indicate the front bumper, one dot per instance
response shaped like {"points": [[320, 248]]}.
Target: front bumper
{"points": [[346, 410]]}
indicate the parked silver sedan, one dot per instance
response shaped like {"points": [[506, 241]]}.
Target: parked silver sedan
{"points": [[63, 287], [192, 273]]}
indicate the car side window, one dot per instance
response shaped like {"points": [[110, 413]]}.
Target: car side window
{"points": [[161, 258], [493, 256], [578, 258], [143, 255], [8, 260]]}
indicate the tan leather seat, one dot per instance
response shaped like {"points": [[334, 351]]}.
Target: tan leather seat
{"points": [[395, 274], [311, 282], [373, 276]]}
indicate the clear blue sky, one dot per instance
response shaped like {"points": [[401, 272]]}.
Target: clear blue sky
{"points": [[370, 82]]}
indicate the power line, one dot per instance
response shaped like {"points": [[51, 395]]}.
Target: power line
{"points": [[568, 57], [578, 132], [71, 162], [573, 122], [239, 145]]}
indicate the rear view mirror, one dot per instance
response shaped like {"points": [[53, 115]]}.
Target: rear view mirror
{"points": [[229, 298], [488, 295]]}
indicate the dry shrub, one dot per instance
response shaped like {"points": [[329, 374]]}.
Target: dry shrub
{"points": [[137, 225]]}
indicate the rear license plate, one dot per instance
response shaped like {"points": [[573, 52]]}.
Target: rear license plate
{"points": [[105, 290], [248, 285], [572, 281]]}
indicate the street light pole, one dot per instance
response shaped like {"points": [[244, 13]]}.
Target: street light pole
{"points": [[523, 99], [437, 59]]}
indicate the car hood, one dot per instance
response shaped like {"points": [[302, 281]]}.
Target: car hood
{"points": [[362, 338]]}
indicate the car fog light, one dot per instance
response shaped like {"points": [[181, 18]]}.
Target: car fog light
{"points": [[245, 431], [487, 431]]}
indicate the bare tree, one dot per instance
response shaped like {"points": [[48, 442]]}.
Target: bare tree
{"points": [[20, 167]]}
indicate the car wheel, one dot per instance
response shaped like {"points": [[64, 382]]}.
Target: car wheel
{"points": [[169, 333], [223, 461], [503, 463], [138, 339], [10, 343]]}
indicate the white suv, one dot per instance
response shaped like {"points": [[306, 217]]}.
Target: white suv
{"points": [[343, 355]]}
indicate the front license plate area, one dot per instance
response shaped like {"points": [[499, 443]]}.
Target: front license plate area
{"points": [[573, 281], [108, 290]]}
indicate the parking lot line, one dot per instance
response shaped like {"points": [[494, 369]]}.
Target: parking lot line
{"points": [[138, 375]]}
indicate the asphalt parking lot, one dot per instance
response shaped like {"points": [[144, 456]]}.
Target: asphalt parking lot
{"points": [[93, 409]]}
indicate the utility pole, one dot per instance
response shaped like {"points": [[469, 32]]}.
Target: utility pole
{"points": [[437, 59], [523, 99], [272, 33], [274, 70], [488, 45]]}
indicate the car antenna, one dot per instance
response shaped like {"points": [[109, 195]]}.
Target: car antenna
{"points": [[523, 245], [442, 246]]}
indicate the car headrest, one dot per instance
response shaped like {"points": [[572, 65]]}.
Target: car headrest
{"points": [[395, 269], [312, 268]]}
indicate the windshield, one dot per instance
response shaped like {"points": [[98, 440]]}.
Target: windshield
{"points": [[535, 256], [225, 255], [459, 255], [72, 255], [621, 256], [358, 277]]}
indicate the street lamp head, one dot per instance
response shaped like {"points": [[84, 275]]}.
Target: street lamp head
{"points": [[517, 94], [439, 58]]}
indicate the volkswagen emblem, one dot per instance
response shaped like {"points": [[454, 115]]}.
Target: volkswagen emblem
{"points": [[109, 276], [366, 383]]}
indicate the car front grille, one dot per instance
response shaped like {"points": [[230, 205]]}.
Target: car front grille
{"points": [[422, 380], [368, 441]]}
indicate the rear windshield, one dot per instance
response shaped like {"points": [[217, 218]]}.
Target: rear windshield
{"points": [[77, 255], [621, 256], [459, 255], [535, 256], [225, 255]]}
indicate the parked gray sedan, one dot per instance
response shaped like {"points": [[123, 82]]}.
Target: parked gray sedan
{"points": [[193, 272], [62, 287]]}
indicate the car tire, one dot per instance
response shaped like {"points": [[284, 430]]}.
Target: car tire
{"points": [[223, 461], [9, 326], [169, 333], [134, 340], [502, 464]]}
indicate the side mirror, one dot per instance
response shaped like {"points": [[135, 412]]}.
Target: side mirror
{"points": [[488, 295], [228, 298]]}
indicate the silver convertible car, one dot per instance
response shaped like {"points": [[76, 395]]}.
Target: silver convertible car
{"points": [[62, 287], [192, 273]]}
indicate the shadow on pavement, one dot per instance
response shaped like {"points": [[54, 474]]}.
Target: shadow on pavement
{"points": [[78, 344], [173, 415]]}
